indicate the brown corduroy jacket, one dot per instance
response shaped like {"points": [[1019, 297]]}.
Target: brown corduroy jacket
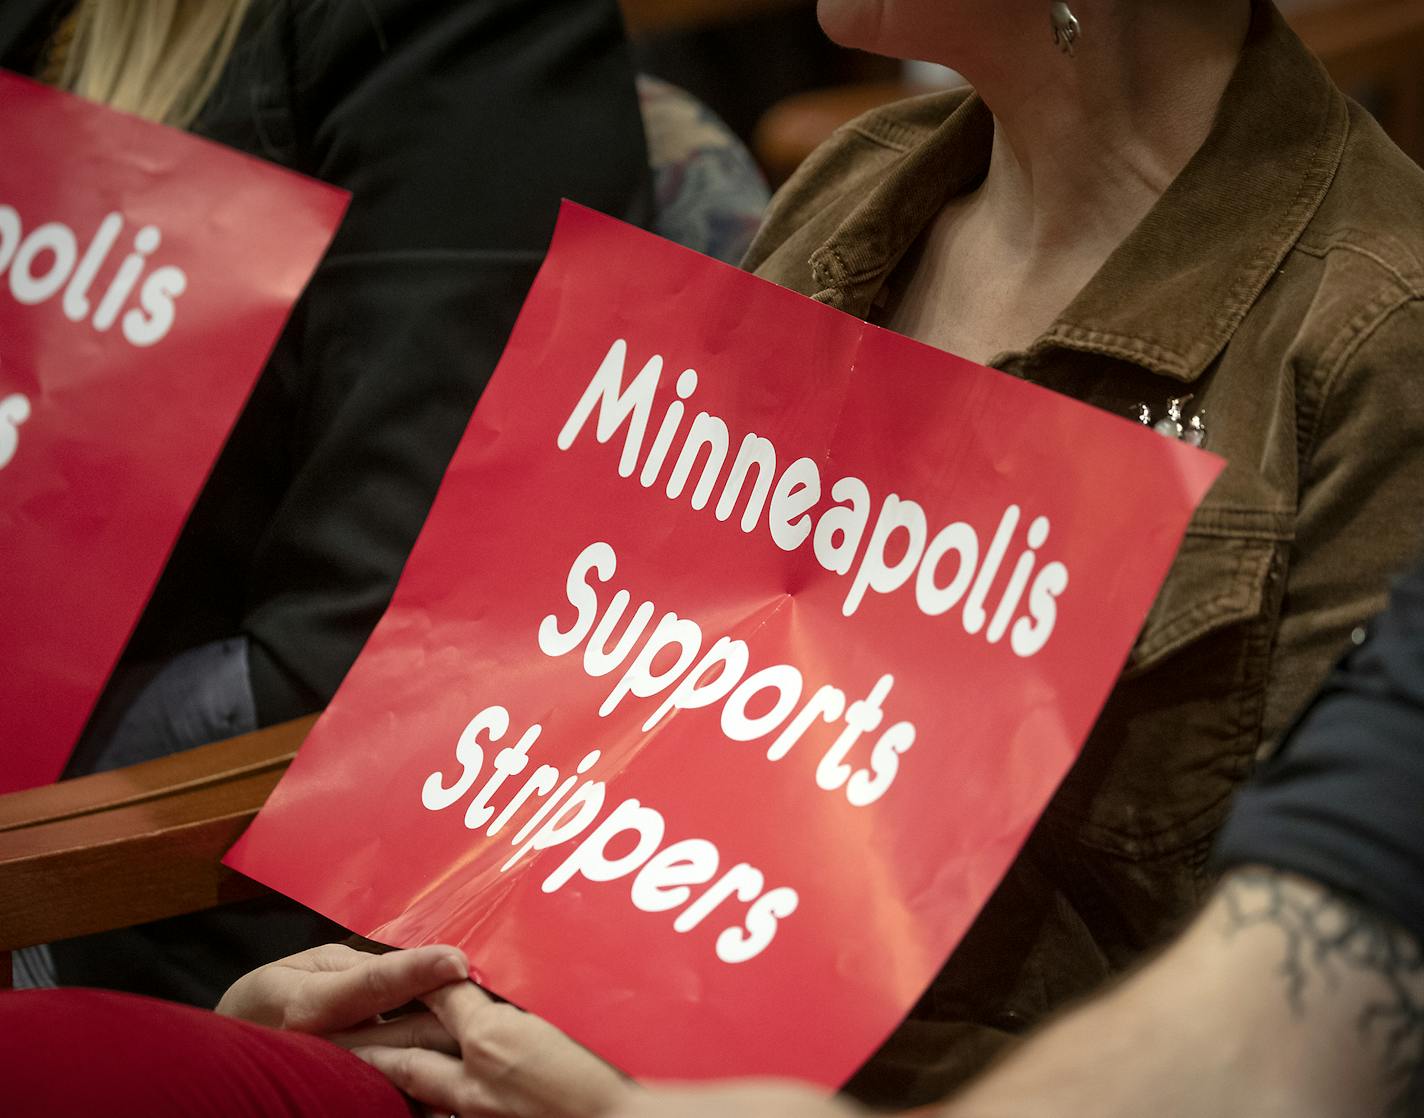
{"points": [[1280, 282]]}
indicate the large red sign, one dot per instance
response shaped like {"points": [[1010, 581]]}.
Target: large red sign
{"points": [[743, 647], [144, 277]]}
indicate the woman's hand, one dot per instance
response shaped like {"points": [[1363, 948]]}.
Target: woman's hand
{"points": [[503, 1061], [334, 988]]}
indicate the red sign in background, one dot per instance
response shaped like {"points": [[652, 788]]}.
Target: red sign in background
{"points": [[763, 879], [144, 277]]}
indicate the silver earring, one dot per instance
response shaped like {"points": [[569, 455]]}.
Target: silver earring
{"points": [[1066, 28]]}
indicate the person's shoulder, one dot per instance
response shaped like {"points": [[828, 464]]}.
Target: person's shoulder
{"points": [[1355, 278], [1370, 225], [836, 177]]}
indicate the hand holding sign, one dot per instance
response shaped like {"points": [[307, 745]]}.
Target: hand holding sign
{"points": [[741, 650], [335, 988], [467, 1054], [504, 1061]]}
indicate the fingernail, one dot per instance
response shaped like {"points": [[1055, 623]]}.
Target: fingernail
{"points": [[452, 968]]}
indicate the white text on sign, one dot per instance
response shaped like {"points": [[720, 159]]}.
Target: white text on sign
{"points": [[837, 533], [46, 260], [662, 878], [14, 411], [720, 677]]}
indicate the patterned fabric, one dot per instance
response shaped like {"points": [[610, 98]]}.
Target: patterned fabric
{"points": [[710, 193]]}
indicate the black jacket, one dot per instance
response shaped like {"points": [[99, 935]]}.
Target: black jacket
{"points": [[457, 125]]}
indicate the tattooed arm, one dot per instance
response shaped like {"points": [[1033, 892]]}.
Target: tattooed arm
{"points": [[1290, 995], [1281, 999]]}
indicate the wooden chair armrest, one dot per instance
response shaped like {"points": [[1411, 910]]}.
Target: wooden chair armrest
{"points": [[137, 844]]}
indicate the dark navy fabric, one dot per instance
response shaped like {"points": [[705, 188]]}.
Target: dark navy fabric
{"points": [[1342, 801]]}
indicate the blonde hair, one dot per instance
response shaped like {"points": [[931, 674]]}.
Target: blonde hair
{"points": [[159, 59]]}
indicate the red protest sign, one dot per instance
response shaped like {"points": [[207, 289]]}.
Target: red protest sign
{"points": [[144, 277], [742, 648]]}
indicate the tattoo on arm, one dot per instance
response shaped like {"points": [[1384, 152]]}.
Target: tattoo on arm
{"points": [[1330, 940]]}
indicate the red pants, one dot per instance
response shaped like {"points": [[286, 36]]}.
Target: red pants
{"points": [[95, 1053]]}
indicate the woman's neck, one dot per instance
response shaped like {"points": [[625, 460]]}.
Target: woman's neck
{"points": [[1085, 145], [1083, 149]]}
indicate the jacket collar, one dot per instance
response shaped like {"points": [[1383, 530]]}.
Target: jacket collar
{"points": [[1208, 247]]}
